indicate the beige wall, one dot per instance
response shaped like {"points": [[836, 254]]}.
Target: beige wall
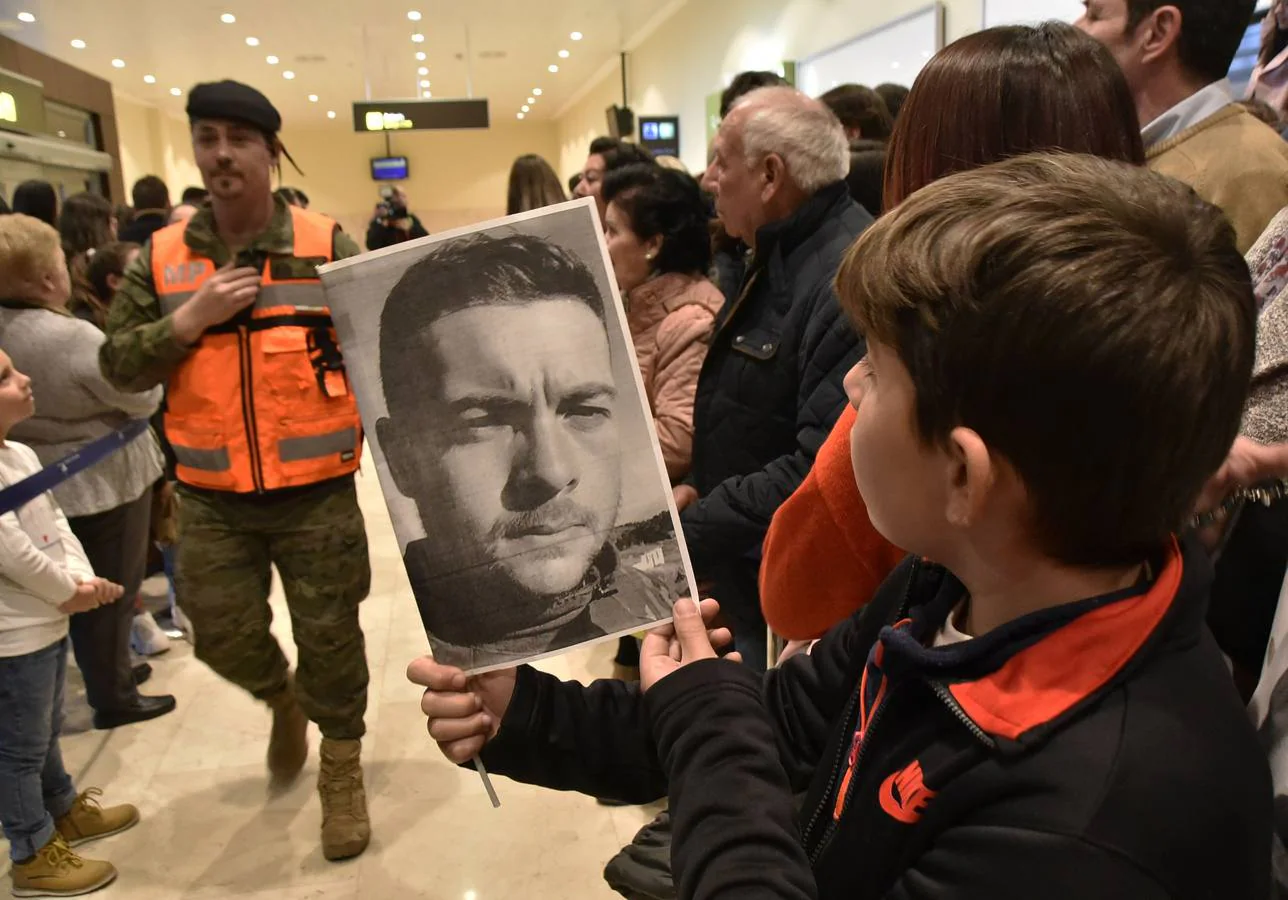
{"points": [[457, 177], [697, 50]]}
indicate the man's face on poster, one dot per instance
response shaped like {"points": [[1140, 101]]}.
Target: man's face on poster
{"points": [[520, 475]]}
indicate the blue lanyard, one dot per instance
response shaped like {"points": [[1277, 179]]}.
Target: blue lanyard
{"points": [[18, 495]]}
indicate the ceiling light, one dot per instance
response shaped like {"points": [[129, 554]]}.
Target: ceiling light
{"points": [[228, 18], [427, 94], [525, 107], [252, 42], [532, 99], [536, 92], [424, 82], [175, 91], [149, 79], [118, 64], [519, 116], [418, 38], [330, 113], [26, 17], [420, 55], [78, 43], [563, 54], [552, 68], [576, 35], [288, 74], [413, 15], [271, 60], [313, 98], [423, 70]]}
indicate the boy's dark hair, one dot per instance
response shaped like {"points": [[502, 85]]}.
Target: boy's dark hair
{"points": [[862, 108], [669, 203], [744, 83], [867, 178], [1211, 31], [150, 192], [194, 196], [84, 223], [1092, 321], [477, 270], [893, 95], [38, 200]]}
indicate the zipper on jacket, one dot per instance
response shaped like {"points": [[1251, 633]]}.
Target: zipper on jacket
{"points": [[942, 692], [856, 746], [248, 408]]}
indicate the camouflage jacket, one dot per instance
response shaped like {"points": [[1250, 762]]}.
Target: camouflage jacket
{"points": [[141, 350]]}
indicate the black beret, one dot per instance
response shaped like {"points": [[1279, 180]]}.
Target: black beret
{"points": [[234, 101]]}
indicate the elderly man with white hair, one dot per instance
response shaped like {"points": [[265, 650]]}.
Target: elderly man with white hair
{"points": [[771, 387]]}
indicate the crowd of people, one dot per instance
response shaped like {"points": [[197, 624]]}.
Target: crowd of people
{"points": [[964, 391]]}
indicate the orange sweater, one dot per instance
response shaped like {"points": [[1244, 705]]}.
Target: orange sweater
{"points": [[823, 559]]}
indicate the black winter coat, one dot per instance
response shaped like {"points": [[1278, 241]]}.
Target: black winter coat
{"points": [[770, 389], [1092, 750]]}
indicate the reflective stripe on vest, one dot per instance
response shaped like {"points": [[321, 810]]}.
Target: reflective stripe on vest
{"points": [[262, 402]]}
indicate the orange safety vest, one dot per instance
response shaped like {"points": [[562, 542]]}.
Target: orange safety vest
{"points": [[263, 401]]}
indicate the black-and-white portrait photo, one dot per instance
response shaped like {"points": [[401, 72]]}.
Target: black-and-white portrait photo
{"points": [[512, 436]]}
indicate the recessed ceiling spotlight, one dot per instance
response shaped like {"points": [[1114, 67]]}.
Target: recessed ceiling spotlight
{"points": [[552, 68], [118, 64], [536, 92], [271, 60], [149, 79], [519, 115], [420, 55], [78, 43], [532, 99], [228, 18], [418, 38], [252, 42], [424, 82], [576, 36], [176, 91], [288, 74], [26, 17], [423, 70], [313, 98], [563, 54], [525, 107], [427, 94], [413, 15], [330, 113]]}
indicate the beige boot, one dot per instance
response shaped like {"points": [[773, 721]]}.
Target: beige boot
{"points": [[346, 830], [59, 871], [288, 745]]}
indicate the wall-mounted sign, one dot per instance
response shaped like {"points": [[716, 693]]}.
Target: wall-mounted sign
{"points": [[419, 115]]}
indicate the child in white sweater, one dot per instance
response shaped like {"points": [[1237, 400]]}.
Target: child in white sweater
{"points": [[44, 579]]}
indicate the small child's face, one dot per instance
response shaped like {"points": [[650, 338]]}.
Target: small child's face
{"points": [[16, 402], [900, 478]]}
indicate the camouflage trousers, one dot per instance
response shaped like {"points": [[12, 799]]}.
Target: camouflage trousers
{"points": [[317, 540]]}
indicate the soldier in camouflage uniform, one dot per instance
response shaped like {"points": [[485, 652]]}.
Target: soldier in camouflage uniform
{"points": [[249, 356]]}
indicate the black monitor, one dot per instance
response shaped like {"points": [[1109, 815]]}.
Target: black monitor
{"points": [[389, 168], [660, 135]]}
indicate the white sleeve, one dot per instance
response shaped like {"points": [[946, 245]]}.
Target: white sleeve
{"points": [[34, 570]]}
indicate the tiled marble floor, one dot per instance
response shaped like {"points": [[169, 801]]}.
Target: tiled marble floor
{"points": [[210, 828]]}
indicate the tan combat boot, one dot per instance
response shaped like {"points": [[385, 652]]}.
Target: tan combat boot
{"points": [[88, 820], [58, 871], [288, 744], [346, 830]]}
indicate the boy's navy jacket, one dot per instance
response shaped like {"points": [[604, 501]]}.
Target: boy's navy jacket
{"points": [[1093, 750]]}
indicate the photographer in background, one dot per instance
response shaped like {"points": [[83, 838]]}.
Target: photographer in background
{"points": [[393, 224]]}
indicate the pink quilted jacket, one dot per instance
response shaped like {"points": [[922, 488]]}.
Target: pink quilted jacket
{"points": [[671, 318]]}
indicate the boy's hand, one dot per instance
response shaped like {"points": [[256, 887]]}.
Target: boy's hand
{"points": [[464, 713], [108, 591], [688, 639]]}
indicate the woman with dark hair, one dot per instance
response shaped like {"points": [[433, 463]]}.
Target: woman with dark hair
{"points": [[38, 200], [1270, 77], [86, 223], [656, 225], [103, 273], [990, 96], [533, 184]]}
